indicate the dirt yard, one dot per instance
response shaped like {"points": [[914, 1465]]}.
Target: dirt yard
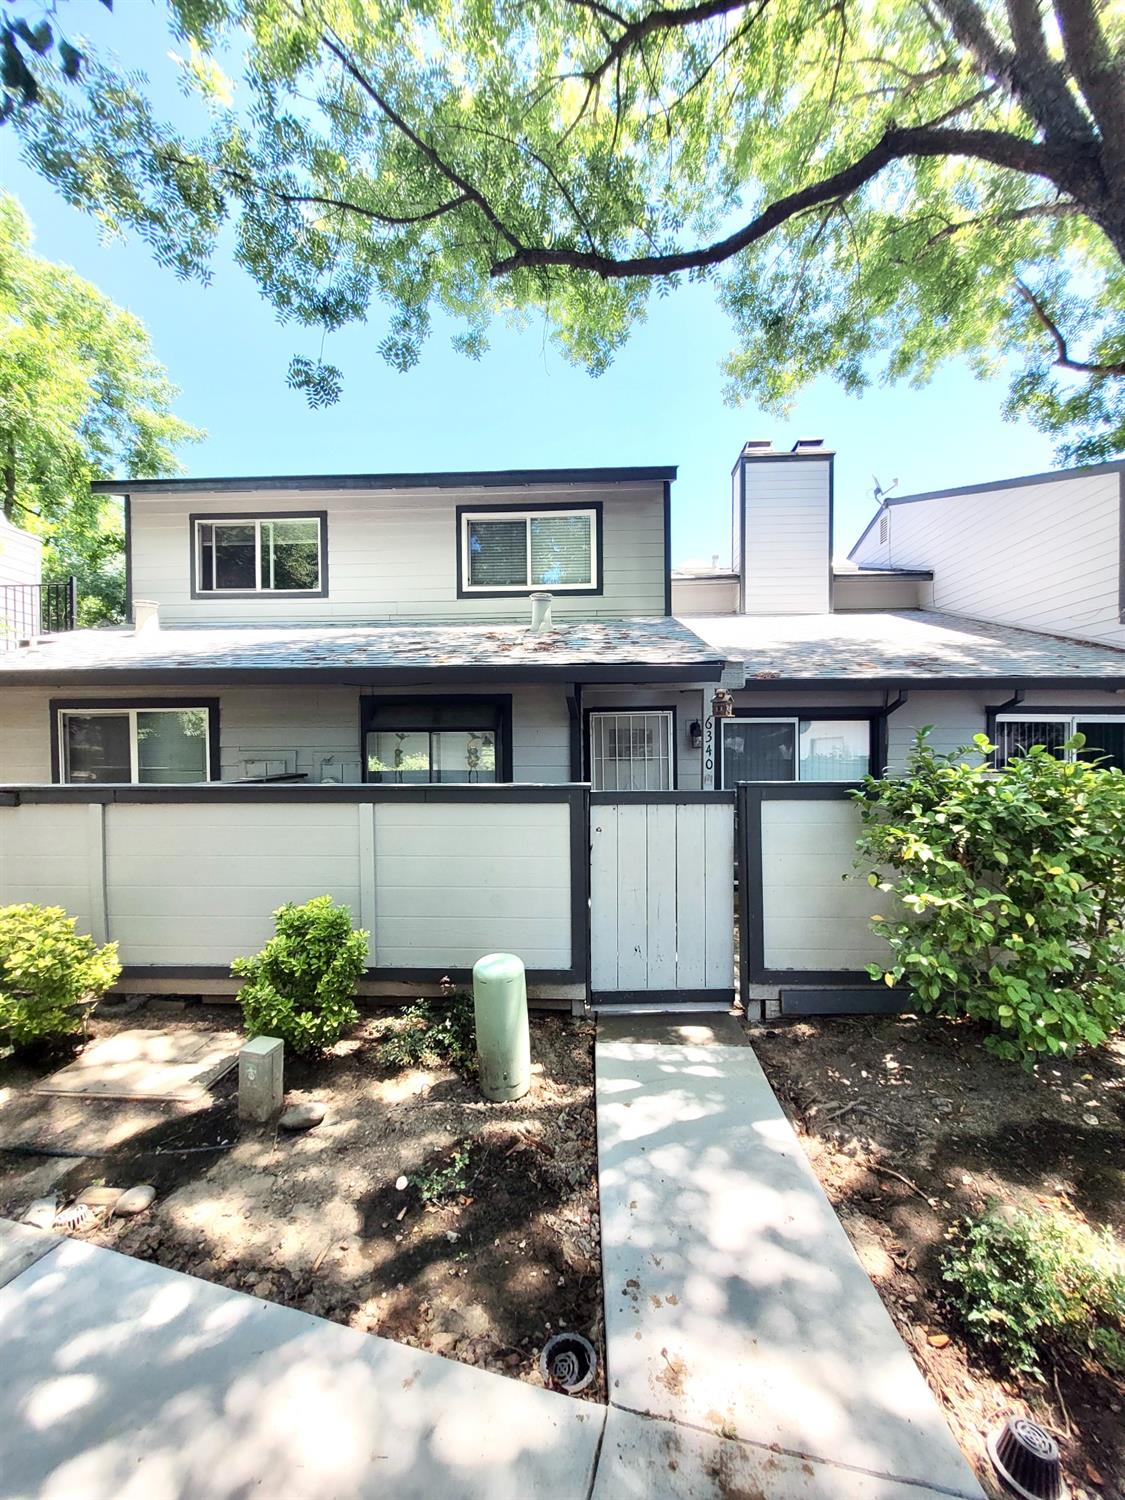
{"points": [[315, 1220], [910, 1124]]}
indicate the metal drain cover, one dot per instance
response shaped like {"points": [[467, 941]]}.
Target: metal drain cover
{"points": [[568, 1362]]}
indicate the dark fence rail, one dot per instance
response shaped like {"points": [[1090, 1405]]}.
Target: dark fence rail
{"points": [[32, 609]]}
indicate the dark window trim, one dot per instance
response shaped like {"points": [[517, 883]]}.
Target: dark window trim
{"points": [[502, 702], [196, 517], [632, 708], [1024, 711], [873, 716], [127, 522], [530, 509], [55, 706], [667, 547], [1121, 546]]}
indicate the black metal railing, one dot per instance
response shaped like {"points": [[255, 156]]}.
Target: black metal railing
{"points": [[28, 610]]}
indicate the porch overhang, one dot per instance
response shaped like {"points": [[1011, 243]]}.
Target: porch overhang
{"points": [[601, 651]]}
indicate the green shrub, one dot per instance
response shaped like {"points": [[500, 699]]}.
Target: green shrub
{"points": [[46, 970], [1010, 887], [435, 1184], [301, 986], [432, 1032], [1028, 1284]]}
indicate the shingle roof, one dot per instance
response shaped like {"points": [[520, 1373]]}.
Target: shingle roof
{"points": [[901, 646], [581, 650]]}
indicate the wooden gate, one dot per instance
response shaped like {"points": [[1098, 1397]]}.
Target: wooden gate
{"points": [[662, 898]]}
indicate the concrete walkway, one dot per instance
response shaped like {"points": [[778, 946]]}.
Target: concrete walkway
{"points": [[124, 1381], [737, 1312]]}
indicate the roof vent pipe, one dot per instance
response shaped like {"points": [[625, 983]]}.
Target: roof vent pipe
{"points": [[540, 614], [146, 615]]}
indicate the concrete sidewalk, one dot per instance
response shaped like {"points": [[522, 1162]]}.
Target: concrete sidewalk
{"points": [[124, 1381], [737, 1312]]}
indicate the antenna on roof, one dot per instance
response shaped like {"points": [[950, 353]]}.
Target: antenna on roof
{"points": [[881, 492]]}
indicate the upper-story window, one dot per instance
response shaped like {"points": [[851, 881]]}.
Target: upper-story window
{"points": [[507, 550], [266, 554]]}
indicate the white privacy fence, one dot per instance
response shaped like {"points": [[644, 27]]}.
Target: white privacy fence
{"points": [[661, 897], [186, 878], [805, 909]]}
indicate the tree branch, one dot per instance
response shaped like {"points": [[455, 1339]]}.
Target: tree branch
{"points": [[1097, 73], [662, 19], [1062, 356], [997, 147]]}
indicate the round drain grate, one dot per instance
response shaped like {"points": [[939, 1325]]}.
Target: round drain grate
{"points": [[568, 1362], [1026, 1457]]}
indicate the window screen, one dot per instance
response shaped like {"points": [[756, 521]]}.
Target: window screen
{"points": [[762, 751], [96, 748], [540, 549], [260, 556], [631, 752], [158, 745]]}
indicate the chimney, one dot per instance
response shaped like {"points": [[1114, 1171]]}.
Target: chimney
{"points": [[541, 614], [782, 512], [146, 616]]}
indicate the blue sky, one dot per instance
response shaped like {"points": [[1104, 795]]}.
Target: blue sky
{"points": [[522, 406]]}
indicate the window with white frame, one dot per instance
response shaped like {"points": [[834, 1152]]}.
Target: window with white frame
{"points": [[505, 551], [632, 750], [794, 749], [260, 555], [1015, 735], [146, 744]]}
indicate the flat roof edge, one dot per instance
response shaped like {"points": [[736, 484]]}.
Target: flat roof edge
{"points": [[453, 479]]}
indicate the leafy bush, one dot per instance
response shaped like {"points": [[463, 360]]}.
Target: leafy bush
{"points": [[1010, 886], [301, 986], [432, 1032], [1027, 1285], [46, 970], [446, 1181]]}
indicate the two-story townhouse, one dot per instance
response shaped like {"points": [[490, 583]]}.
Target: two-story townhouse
{"points": [[402, 628]]}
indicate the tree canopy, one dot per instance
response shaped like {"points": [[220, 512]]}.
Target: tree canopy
{"points": [[81, 396], [873, 186]]}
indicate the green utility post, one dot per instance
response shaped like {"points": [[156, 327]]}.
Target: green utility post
{"points": [[503, 1041]]}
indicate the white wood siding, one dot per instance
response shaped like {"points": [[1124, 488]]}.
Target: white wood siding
{"points": [[392, 555], [453, 882], [1043, 556], [314, 730], [661, 896], [188, 884], [786, 536], [21, 555], [813, 918]]}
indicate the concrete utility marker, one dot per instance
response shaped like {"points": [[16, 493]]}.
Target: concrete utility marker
{"points": [[737, 1312]]}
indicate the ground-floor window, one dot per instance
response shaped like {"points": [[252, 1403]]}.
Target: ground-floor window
{"points": [[632, 750], [150, 743], [413, 741], [794, 749], [1015, 734]]}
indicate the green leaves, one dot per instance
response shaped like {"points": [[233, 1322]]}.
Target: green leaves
{"points": [[1015, 919], [384, 163], [301, 986], [46, 969]]}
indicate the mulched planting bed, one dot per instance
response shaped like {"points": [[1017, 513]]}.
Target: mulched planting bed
{"points": [[509, 1254], [910, 1124]]}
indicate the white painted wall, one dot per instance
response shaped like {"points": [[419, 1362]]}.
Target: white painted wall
{"points": [[453, 882], [392, 554], [196, 883], [21, 555], [787, 535], [661, 896], [705, 596], [813, 918], [857, 591], [1043, 556]]}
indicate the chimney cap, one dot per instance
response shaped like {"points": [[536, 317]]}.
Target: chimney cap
{"points": [[754, 445], [804, 443]]}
